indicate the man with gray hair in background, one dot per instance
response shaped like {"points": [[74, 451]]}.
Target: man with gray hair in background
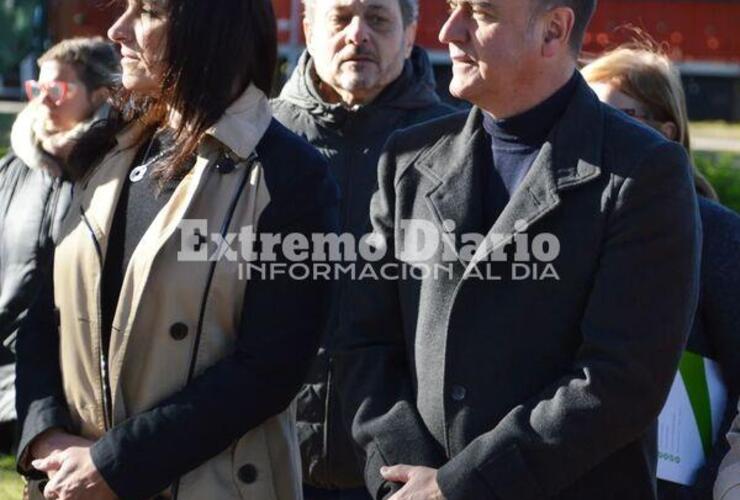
{"points": [[360, 79]]}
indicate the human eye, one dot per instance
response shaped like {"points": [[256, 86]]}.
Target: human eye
{"points": [[483, 13], [149, 9], [378, 20], [339, 19], [483, 16]]}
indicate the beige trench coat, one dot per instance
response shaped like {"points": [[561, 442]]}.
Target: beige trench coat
{"points": [[146, 363]]}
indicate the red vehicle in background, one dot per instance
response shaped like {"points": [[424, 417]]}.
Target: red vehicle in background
{"points": [[702, 36]]}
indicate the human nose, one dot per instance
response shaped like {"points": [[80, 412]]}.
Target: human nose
{"points": [[357, 31], [454, 30], [46, 98], [120, 31]]}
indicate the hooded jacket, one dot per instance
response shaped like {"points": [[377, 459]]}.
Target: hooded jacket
{"points": [[351, 140], [34, 195]]}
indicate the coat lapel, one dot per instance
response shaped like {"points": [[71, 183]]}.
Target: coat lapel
{"points": [[535, 197], [102, 188], [570, 157], [454, 199]]}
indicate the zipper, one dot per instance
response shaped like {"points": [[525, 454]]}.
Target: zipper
{"points": [[175, 488], [52, 207], [103, 359]]}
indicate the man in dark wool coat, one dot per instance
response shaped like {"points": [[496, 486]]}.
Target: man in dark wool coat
{"points": [[531, 363]]}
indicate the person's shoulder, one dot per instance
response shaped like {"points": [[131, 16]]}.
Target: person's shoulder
{"points": [[720, 220], [12, 166], [282, 143], [283, 109], [421, 143], [429, 113], [629, 143], [428, 135], [9, 159], [293, 168]]}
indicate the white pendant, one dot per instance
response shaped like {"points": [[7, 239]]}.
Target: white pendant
{"points": [[138, 173]]}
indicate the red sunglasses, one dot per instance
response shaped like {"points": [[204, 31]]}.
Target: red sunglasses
{"points": [[57, 90]]}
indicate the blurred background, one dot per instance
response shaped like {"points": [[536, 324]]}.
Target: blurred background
{"points": [[701, 36]]}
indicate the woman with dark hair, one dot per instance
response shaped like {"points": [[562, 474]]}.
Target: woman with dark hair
{"points": [[165, 370]]}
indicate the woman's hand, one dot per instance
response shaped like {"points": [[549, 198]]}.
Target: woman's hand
{"points": [[73, 475], [55, 440]]}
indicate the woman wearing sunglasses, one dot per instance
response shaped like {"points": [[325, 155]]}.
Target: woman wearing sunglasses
{"points": [[642, 82], [169, 368], [75, 80]]}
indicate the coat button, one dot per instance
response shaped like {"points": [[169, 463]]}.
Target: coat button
{"points": [[225, 165], [458, 392], [179, 331], [247, 473]]}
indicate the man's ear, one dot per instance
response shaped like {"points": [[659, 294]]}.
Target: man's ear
{"points": [[409, 38], [669, 129], [557, 31]]}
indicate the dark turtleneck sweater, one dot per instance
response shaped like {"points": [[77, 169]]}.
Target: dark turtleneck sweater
{"points": [[515, 143]]}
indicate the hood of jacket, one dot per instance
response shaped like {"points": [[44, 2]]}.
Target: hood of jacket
{"points": [[25, 138], [413, 89]]}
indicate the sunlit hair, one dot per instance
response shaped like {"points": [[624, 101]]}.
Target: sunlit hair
{"points": [[214, 50], [94, 60], [642, 71]]}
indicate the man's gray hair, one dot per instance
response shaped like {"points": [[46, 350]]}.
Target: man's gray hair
{"points": [[409, 10]]}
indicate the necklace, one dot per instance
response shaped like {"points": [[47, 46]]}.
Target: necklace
{"points": [[139, 172]]}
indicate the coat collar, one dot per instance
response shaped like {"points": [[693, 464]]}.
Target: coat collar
{"points": [[239, 129], [26, 138], [570, 157], [244, 123]]}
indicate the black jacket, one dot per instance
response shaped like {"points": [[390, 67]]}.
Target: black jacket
{"points": [[516, 387], [32, 204], [35, 192], [351, 140], [715, 333]]}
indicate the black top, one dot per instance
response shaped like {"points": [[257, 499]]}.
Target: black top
{"points": [[515, 143], [138, 205]]}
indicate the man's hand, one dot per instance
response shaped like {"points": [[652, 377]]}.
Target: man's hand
{"points": [[420, 483], [73, 476]]}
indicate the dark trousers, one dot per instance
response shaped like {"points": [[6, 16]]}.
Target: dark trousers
{"points": [[310, 493], [673, 491]]}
